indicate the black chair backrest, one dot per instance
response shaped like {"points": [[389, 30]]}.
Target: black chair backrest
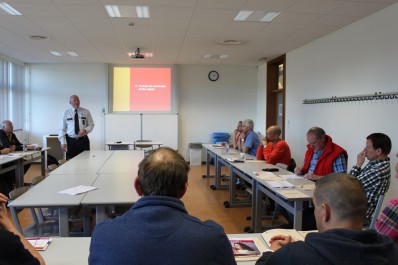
{"points": [[292, 165]]}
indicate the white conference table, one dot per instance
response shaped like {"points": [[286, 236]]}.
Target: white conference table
{"points": [[88, 162], [75, 250], [93, 154], [8, 163], [67, 251], [115, 184], [123, 162], [18, 159], [260, 187], [46, 195], [113, 189], [112, 172], [219, 156], [293, 204]]}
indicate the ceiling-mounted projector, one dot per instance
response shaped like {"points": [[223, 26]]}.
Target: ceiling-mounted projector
{"points": [[137, 54]]}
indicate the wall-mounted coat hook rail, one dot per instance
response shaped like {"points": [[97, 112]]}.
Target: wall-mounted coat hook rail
{"points": [[375, 96]]}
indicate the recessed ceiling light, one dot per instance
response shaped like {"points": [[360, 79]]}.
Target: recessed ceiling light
{"points": [[127, 11], [243, 15], [9, 9], [142, 11], [56, 53], [113, 10], [269, 16], [37, 37], [73, 54], [256, 16]]}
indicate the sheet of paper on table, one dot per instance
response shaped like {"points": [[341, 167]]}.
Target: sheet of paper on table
{"points": [[77, 190]]}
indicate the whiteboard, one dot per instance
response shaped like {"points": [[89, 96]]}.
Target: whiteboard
{"points": [[122, 127], [161, 128], [155, 127]]}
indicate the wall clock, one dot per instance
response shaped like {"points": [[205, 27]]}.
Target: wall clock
{"points": [[213, 75]]}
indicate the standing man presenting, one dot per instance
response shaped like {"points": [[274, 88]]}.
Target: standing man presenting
{"points": [[76, 124]]}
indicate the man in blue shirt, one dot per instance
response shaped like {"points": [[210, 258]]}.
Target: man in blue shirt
{"points": [[158, 228], [251, 140]]}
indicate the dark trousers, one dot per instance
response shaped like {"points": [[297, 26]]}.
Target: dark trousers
{"points": [[76, 146], [7, 180], [308, 222]]}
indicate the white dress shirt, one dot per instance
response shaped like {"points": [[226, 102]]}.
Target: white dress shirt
{"points": [[67, 124]]}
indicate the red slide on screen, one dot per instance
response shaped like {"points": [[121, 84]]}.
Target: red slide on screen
{"points": [[150, 89]]}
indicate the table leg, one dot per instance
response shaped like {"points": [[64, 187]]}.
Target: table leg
{"points": [[43, 155], [208, 157], [256, 207], [86, 221], [19, 172], [63, 222], [100, 214]]}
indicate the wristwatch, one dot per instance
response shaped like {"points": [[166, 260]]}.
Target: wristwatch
{"points": [[242, 139]]}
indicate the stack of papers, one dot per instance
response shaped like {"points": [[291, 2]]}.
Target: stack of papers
{"points": [[40, 243], [283, 184], [292, 193], [234, 159], [267, 176], [291, 176]]}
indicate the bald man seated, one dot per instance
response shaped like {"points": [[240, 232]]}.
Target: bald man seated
{"points": [[340, 207]]}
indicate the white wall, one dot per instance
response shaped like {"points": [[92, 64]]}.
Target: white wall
{"points": [[51, 86], [359, 59], [206, 107], [261, 96]]}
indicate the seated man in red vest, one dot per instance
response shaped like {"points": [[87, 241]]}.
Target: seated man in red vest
{"points": [[322, 157]]}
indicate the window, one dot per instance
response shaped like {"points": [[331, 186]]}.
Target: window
{"points": [[12, 92]]}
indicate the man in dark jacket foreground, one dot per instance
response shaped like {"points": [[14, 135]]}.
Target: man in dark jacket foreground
{"points": [[158, 229], [340, 207]]}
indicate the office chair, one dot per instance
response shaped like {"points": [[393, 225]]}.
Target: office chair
{"points": [[141, 144], [292, 165], [51, 213], [39, 227], [376, 212], [52, 167], [62, 161]]}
